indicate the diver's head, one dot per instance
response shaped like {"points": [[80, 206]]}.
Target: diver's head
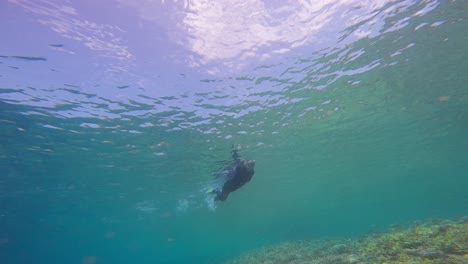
{"points": [[246, 169], [250, 164]]}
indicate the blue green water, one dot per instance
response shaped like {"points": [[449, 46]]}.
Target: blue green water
{"points": [[362, 126]]}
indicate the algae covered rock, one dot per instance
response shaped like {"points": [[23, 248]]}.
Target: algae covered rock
{"points": [[430, 242]]}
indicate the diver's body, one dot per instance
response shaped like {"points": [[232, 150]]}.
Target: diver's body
{"points": [[239, 174]]}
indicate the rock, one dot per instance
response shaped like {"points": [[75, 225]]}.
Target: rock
{"points": [[339, 249], [425, 253]]}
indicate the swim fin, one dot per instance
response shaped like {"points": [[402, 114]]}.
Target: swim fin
{"points": [[212, 190]]}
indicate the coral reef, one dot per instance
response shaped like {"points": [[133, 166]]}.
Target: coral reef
{"points": [[430, 242]]}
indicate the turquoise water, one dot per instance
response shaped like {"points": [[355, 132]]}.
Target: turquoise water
{"points": [[360, 126]]}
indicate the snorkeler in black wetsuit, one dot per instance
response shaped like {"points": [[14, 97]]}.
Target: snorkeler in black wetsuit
{"points": [[239, 173]]}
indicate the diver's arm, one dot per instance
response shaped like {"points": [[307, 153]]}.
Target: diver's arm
{"points": [[235, 155]]}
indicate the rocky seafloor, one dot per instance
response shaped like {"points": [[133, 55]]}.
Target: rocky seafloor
{"points": [[430, 242]]}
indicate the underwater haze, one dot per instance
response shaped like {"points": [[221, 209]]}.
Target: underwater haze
{"points": [[115, 114]]}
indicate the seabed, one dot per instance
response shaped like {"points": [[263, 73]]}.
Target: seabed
{"points": [[429, 242]]}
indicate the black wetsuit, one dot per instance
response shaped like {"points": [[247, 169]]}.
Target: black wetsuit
{"points": [[241, 172]]}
